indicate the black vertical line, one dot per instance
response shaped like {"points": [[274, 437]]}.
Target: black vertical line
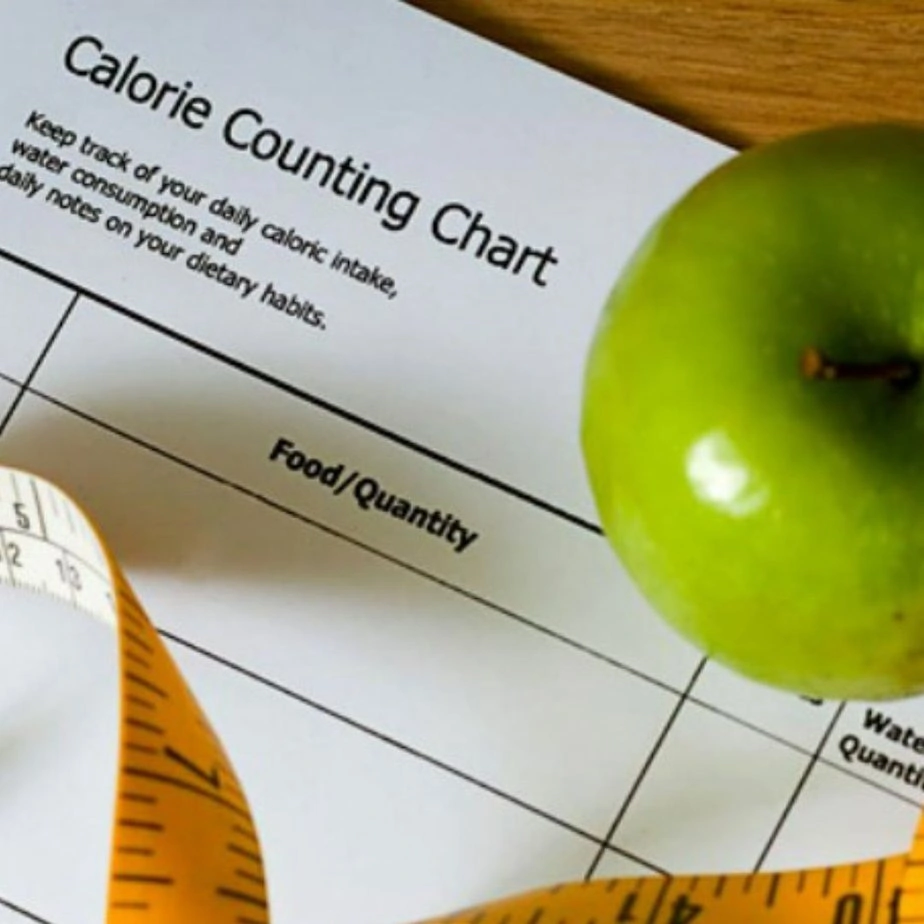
{"points": [[70, 518], [38, 363], [665, 731], [771, 892], [52, 500], [806, 773], [5, 555], [877, 892], [40, 510], [66, 565], [662, 894]]}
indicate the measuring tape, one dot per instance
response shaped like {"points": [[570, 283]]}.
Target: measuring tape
{"points": [[185, 849]]}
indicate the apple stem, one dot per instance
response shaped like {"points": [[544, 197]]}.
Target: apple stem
{"points": [[815, 365]]}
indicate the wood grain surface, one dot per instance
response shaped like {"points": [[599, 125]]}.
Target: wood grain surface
{"points": [[742, 71]]}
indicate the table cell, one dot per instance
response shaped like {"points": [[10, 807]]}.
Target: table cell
{"points": [[840, 819], [712, 797], [355, 829], [31, 308], [798, 721], [882, 743]]}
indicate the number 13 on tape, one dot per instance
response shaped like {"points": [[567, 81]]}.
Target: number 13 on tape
{"points": [[185, 849]]}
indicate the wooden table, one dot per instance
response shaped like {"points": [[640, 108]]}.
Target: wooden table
{"points": [[741, 71]]}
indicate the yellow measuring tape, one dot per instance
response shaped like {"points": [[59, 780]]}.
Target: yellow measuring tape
{"points": [[185, 849]]}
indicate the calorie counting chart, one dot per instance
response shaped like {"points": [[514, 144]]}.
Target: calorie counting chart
{"points": [[300, 317]]}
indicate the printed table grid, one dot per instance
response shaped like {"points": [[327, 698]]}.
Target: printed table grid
{"points": [[600, 846]]}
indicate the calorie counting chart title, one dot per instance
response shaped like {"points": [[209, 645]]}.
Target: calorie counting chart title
{"points": [[453, 224]]}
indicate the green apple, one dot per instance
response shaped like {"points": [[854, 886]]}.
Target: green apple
{"points": [[753, 427]]}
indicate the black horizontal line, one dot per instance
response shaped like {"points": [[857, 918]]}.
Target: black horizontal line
{"points": [[244, 852], [131, 851], [246, 832], [244, 897], [140, 748], [140, 701], [132, 610], [130, 906], [141, 682], [136, 659], [143, 878], [144, 797], [167, 780], [136, 639], [145, 726], [250, 877], [130, 606], [18, 909], [306, 396], [142, 825], [133, 618]]}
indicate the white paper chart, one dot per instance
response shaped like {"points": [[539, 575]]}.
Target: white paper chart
{"points": [[295, 300]]}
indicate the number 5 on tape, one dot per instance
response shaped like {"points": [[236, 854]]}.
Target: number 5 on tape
{"points": [[185, 849]]}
